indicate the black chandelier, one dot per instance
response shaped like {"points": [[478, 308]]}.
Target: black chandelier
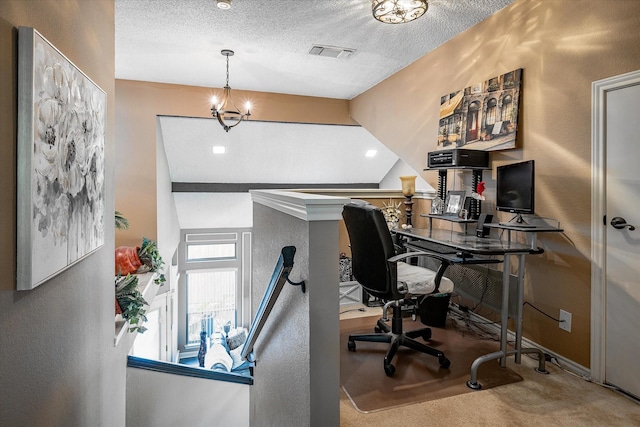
{"points": [[226, 111]]}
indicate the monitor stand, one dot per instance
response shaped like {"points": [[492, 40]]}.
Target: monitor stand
{"points": [[519, 222]]}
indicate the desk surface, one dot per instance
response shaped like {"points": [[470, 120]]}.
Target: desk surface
{"points": [[466, 242], [534, 229], [450, 218]]}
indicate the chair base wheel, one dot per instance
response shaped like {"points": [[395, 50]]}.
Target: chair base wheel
{"points": [[444, 362], [389, 369], [351, 345], [377, 329], [474, 386]]}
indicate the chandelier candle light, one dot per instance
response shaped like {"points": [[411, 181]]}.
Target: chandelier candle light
{"points": [[408, 190], [226, 111], [398, 11]]}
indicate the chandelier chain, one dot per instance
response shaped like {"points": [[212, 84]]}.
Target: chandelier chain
{"points": [[226, 112]]}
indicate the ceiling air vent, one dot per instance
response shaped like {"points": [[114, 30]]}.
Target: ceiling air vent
{"points": [[331, 51]]}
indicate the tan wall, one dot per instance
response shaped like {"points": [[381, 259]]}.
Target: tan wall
{"points": [[138, 104], [58, 364], [562, 46], [419, 206]]}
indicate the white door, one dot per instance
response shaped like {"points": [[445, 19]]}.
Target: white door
{"points": [[622, 237]]}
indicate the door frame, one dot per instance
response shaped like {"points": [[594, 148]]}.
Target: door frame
{"points": [[599, 91]]}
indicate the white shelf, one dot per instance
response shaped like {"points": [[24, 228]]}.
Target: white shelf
{"points": [[148, 290]]}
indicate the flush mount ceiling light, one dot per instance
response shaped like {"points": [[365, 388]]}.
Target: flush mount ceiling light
{"points": [[398, 11], [226, 111], [224, 4]]}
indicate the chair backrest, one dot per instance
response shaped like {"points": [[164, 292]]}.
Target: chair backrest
{"points": [[371, 247]]}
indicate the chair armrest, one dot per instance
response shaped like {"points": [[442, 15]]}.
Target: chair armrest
{"points": [[444, 264]]}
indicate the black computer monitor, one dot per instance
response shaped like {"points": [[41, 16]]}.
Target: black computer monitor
{"points": [[515, 190]]}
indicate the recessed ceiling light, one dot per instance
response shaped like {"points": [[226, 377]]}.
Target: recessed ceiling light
{"points": [[224, 4], [371, 153], [219, 149]]}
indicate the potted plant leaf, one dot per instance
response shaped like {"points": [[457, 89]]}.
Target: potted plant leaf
{"points": [[139, 260], [130, 302], [121, 222], [151, 259]]}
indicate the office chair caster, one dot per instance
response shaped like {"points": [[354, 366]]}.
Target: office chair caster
{"points": [[426, 335], [444, 362], [351, 345], [389, 369], [377, 329]]}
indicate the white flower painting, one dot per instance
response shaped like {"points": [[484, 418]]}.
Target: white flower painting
{"points": [[61, 132]]}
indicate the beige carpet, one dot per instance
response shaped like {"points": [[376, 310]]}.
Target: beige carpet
{"points": [[558, 399], [418, 376]]}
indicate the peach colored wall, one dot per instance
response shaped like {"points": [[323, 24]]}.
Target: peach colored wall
{"points": [[563, 46], [419, 206], [138, 104], [58, 364]]}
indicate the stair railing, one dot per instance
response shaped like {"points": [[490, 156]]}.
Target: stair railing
{"points": [[279, 277]]}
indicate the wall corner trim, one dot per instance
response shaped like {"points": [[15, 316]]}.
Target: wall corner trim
{"points": [[308, 207]]}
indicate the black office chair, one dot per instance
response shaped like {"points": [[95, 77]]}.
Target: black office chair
{"points": [[378, 267]]}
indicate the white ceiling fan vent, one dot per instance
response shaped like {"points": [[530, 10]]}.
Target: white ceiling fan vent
{"points": [[331, 51]]}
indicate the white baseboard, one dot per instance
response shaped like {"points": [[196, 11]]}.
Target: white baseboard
{"points": [[526, 342]]}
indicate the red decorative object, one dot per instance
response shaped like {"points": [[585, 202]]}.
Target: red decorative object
{"points": [[118, 309], [127, 260], [480, 188]]}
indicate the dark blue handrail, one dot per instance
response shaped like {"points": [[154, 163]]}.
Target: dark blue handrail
{"points": [[279, 277], [188, 371]]}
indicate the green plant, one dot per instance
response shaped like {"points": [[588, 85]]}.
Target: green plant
{"points": [[150, 257], [121, 222], [131, 302]]}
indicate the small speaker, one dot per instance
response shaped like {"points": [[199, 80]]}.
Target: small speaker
{"points": [[481, 230]]}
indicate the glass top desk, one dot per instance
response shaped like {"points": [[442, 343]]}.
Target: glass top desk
{"points": [[467, 249]]}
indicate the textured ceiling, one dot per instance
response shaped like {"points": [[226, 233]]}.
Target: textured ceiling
{"points": [[179, 41]]}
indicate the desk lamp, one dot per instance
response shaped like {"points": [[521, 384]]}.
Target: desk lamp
{"points": [[408, 190]]}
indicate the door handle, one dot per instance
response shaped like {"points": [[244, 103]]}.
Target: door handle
{"points": [[620, 223]]}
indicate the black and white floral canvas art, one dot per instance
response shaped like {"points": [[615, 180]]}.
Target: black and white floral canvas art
{"points": [[61, 135]]}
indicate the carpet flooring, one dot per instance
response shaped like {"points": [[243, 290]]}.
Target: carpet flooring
{"points": [[561, 398], [418, 376]]}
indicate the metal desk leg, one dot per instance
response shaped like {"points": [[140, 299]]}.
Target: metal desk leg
{"points": [[519, 307], [505, 308], [503, 353], [519, 350]]}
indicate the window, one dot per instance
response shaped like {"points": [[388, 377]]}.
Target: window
{"points": [[507, 108], [211, 252], [491, 111], [215, 283], [211, 302]]}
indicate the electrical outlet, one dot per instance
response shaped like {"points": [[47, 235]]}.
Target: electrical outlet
{"points": [[565, 320]]}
